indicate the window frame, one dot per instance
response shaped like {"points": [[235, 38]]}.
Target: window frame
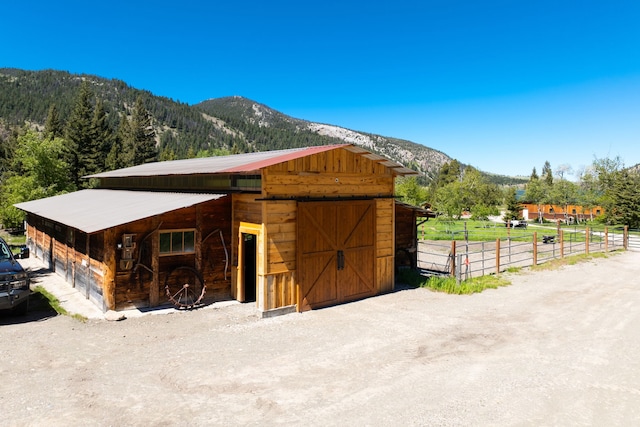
{"points": [[182, 250]]}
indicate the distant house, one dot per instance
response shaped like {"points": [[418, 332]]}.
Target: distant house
{"points": [[289, 230], [571, 213]]}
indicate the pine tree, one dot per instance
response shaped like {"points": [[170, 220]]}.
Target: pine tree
{"points": [[80, 150], [143, 137], [626, 196], [52, 126], [513, 205], [547, 173], [534, 175], [102, 135], [117, 157]]}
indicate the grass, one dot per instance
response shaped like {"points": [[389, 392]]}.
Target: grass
{"points": [[476, 230], [13, 239], [450, 285], [557, 263], [440, 229], [54, 303]]}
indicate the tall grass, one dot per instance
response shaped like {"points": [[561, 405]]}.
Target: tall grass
{"points": [[450, 285]]}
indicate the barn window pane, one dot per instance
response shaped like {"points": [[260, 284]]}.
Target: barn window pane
{"points": [[189, 244], [165, 243], [176, 242]]}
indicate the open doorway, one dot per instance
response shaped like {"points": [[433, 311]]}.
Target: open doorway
{"points": [[249, 272]]}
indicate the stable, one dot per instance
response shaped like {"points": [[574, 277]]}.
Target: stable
{"points": [[291, 230]]}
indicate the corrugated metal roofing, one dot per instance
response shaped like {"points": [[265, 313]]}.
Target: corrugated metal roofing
{"points": [[239, 163], [247, 162], [95, 210]]}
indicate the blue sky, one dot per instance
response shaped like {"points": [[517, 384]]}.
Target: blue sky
{"points": [[501, 85]]}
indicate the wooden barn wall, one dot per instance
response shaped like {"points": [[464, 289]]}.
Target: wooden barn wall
{"points": [[140, 287], [280, 278], [385, 269], [214, 259], [406, 237], [72, 254], [131, 287], [405, 228], [91, 263], [336, 173]]}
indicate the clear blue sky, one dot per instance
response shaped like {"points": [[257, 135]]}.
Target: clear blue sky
{"points": [[501, 85]]}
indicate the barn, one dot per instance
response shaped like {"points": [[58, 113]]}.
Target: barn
{"points": [[290, 230]]}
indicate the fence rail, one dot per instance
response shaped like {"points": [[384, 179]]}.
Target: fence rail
{"points": [[465, 259]]}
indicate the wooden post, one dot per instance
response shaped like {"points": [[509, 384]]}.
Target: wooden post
{"points": [[89, 274], [625, 237], [586, 241], [154, 289], [109, 284], [535, 248], [452, 258], [497, 255], [606, 239], [198, 240], [561, 235]]}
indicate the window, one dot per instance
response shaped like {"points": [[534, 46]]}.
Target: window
{"points": [[177, 242]]}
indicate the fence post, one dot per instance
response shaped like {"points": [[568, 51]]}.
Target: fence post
{"points": [[606, 239], [586, 241], [453, 258], [535, 248], [497, 255], [625, 237], [561, 235]]}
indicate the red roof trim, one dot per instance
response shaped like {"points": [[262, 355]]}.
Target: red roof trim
{"points": [[282, 158]]}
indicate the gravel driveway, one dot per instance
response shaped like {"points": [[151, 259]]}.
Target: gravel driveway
{"points": [[555, 348]]}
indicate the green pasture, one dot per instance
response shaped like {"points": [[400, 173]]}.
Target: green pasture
{"points": [[442, 229]]}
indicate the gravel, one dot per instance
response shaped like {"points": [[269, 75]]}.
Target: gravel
{"points": [[554, 348]]}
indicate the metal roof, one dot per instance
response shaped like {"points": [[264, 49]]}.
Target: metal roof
{"points": [[240, 163], [98, 209]]}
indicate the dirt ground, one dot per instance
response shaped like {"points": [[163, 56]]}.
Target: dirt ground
{"points": [[555, 348]]}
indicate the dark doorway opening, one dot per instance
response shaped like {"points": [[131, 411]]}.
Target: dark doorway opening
{"points": [[249, 266]]}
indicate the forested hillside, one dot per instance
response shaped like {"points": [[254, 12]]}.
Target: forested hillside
{"points": [[217, 126]]}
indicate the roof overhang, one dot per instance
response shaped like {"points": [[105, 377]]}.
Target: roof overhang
{"points": [[95, 210]]}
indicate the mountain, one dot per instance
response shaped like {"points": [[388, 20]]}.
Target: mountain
{"points": [[230, 124], [276, 130]]}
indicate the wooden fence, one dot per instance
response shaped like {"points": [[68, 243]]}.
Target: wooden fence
{"points": [[464, 259]]}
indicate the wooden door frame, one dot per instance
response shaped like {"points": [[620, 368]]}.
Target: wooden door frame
{"points": [[258, 231]]}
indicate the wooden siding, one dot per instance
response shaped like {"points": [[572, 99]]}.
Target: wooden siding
{"points": [[91, 263], [336, 173], [66, 252], [280, 227], [406, 254], [385, 245]]}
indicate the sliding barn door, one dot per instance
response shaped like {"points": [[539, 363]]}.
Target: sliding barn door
{"points": [[336, 252]]}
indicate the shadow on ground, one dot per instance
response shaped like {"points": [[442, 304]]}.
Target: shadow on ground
{"points": [[39, 310]]}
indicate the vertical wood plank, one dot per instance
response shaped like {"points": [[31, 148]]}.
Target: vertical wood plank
{"points": [[154, 289]]}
